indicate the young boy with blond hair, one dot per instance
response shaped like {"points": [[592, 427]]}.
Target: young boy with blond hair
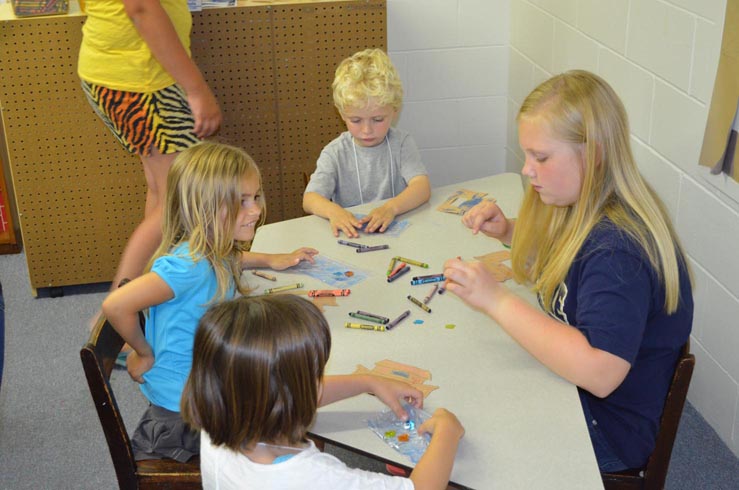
{"points": [[371, 161]]}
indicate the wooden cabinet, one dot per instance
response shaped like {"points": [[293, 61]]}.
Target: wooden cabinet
{"points": [[79, 194]]}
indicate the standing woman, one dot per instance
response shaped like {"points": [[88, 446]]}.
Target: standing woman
{"points": [[137, 74], [595, 242]]}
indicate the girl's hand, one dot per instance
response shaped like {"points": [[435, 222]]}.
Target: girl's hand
{"points": [[280, 262], [342, 220], [379, 218], [487, 217], [474, 284], [205, 110], [137, 365], [391, 391], [443, 421]]}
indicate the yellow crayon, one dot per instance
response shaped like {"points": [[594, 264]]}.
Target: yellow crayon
{"points": [[364, 326], [297, 285], [413, 262], [419, 304], [391, 266]]}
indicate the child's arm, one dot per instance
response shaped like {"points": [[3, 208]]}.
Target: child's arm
{"points": [[339, 218], [487, 217], [417, 193], [122, 307], [156, 29], [337, 388], [435, 466], [545, 338], [278, 262]]}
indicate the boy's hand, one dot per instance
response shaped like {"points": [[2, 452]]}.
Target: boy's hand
{"points": [[137, 365], [379, 218], [391, 391], [443, 421], [280, 262], [342, 220]]}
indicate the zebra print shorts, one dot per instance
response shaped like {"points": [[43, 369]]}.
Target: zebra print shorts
{"points": [[144, 121]]}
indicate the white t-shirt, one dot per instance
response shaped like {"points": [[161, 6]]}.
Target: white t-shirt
{"points": [[223, 469]]}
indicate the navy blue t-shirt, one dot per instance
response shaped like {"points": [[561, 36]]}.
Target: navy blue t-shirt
{"points": [[612, 295]]}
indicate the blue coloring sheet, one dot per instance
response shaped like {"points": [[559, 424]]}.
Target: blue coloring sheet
{"points": [[331, 271], [395, 228]]}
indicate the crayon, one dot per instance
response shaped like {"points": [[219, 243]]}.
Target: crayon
{"points": [[364, 326], [351, 244], [391, 266], [400, 318], [316, 293], [372, 249], [397, 268], [419, 304], [431, 294], [413, 262], [297, 285], [427, 279], [364, 317], [264, 275], [382, 319], [399, 273]]}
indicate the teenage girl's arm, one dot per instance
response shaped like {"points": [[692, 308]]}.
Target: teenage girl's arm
{"points": [[156, 29], [278, 262], [417, 193], [338, 218], [487, 217], [435, 466], [560, 347], [389, 391], [122, 307]]}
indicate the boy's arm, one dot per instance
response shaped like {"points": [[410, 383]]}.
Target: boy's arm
{"points": [[337, 388], [417, 193], [339, 218], [278, 262], [156, 29], [435, 466]]}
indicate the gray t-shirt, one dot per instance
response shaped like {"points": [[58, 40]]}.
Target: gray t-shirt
{"points": [[378, 172]]}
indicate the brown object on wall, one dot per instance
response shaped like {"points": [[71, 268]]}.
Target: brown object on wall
{"points": [[79, 195]]}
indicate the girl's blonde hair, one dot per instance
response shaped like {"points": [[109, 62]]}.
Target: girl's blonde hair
{"points": [[367, 77], [580, 108], [202, 201]]}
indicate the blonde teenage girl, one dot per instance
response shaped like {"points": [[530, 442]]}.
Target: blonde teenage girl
{"points": [[214, 203], [594, 241]]}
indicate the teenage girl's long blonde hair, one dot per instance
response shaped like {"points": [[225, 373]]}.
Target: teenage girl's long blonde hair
{"points": [[202, 201], [580, 108]]}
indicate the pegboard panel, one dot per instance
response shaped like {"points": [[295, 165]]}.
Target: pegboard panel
{"points": [[310, 40], [79, 195]]}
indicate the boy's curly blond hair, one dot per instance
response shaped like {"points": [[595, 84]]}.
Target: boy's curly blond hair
{"points": [[367, 77]]}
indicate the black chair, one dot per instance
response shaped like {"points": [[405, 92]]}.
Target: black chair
{"points": [[653, 475], [98, 358]]}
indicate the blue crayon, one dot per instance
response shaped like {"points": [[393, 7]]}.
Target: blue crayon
{"points": [[427, 279]]}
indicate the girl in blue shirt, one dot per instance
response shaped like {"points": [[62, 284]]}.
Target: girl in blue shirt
{"points": [[214, 203]]}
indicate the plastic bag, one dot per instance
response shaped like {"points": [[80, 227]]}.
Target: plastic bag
{"points": [[402, 435]]}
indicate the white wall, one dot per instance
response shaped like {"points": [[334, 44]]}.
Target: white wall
{"points": [[452, 56], [661, 57], [468, 64]]}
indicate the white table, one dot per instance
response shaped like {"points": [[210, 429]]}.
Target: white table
{"points": [[524, 425]]}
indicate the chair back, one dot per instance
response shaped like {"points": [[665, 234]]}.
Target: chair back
{"points": [[98, 358], [654, 474]]}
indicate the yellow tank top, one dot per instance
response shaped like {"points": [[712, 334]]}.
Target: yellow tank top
{"points": [[113, 54]]}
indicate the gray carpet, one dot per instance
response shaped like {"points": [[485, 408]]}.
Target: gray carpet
{"points": [[50, 437]]}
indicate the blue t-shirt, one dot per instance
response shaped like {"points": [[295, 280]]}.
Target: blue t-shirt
{"points": [[170, 326], [613, 296]]}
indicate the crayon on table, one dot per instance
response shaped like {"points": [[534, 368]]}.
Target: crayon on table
{"points": [[427, 279], [414, 262], [400, 318], [372, 249], [382, 319], [431, 294], [364, 326], [351, 244], [364, 317], [391, 266], [316, 293], [419, 304], [264, 275], [297, 285], [399, 273], [396, 269]]}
